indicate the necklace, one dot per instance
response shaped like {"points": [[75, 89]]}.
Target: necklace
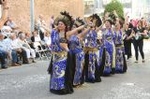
{"points": [[61, 34]]}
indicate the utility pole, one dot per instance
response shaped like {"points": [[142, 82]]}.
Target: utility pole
{"points": [[32, 14]]}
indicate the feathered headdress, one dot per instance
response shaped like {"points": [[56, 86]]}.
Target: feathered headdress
{"points": [[113, 17], [96, 20], [66, 18], [78, 22]]}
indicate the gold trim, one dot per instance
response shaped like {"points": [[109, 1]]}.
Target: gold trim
{"points": [[119, 46], [86, 49], [62, 53]]}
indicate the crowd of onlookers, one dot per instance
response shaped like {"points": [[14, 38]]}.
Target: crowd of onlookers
{"points": [[18, 47], [145, 23], [136, 30]]}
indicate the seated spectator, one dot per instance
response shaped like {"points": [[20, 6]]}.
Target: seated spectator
{"points": [[6, 30], [28, 39], [36, 38], [11, 23], [12, 43], [38, 44], [47, 39], [3, 58], [25, 46], [3, 52]]}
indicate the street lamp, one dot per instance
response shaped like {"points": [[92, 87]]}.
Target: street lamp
{"points": [[32, 14]]}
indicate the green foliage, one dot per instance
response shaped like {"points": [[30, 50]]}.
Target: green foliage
{"points": [[115, 5]]}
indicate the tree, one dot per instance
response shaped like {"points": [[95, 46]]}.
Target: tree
{"points": [[115, 5]]}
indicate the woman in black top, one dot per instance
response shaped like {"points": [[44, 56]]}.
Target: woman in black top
{"points": [[128, 40], [138, 40]]}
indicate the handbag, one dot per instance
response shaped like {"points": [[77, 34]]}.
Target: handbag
{"points": [[138, 36]]}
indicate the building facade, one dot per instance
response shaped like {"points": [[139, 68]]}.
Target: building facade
{"points": [[134, 8], [20, 10], [88, 7]]}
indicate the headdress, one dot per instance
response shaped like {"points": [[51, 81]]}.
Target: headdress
{"points": [[112, 18], [78, 22], [96, 20], [122, 21], [66, 18]]}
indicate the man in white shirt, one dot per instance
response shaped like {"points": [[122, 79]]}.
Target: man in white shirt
{"points": [[41, 26], [6, 30], [11, 23], [12, 44], [26, 47]]}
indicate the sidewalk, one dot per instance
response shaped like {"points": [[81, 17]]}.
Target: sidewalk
{"points": [[147, 46], [37, 60]]}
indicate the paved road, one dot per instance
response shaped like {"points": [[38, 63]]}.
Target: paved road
{"points": [[32, 82]]}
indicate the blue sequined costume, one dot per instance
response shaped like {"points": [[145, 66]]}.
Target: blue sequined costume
{"points": [[60, 82], [120, 52], [76, 49], [109, 48], [91, 54], [101, 57]]}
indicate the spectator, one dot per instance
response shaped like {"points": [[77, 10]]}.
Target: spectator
{"points": [[144, 23], [128, 39], [6, 30], [11, 23], [47, 39], [28, 39], [12, 43], [12, 53], [52, 22], [138, 41], [3, 52], [35, 37], [41, 26], [37, 43], [26, 47]]}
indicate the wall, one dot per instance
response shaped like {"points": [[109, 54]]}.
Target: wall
{"points": [[20, 10]]}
